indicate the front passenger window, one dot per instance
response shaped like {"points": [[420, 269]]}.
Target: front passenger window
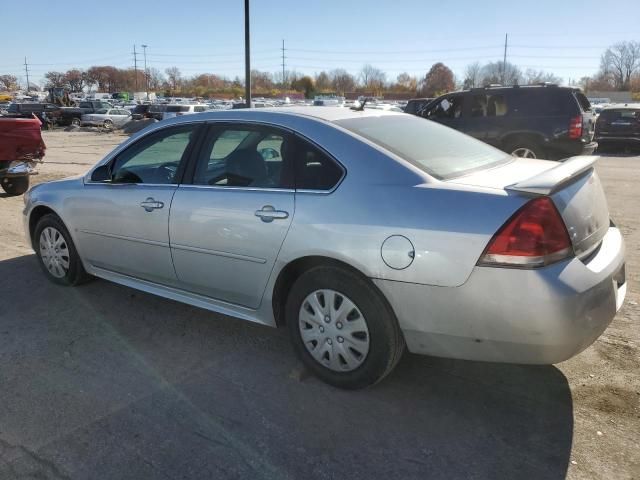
{"points": [[155, 159]]}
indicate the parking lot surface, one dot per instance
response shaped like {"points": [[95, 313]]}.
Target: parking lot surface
{"points": [[105, 382]]}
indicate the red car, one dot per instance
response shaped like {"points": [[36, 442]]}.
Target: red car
{"points": [[21, 145]]}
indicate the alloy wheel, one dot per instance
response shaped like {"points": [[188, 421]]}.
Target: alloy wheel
{"points": [[524, 152]]}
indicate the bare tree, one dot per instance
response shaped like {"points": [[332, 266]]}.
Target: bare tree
{"points": [[372, 78], [323, 82], [342, 81], [621, 60], [472, 75], [532, 76], [174, 77], [497, 72], [404, 81], [8, 82], [55, 79], [156, 79]]}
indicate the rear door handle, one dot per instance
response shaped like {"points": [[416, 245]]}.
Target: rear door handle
{"points": [[268, 214], [151, 204]]}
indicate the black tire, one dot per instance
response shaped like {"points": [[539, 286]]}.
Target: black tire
{"points": [[15, 185], [76, 122], [386, 340], [522, 145], [76, 274]]}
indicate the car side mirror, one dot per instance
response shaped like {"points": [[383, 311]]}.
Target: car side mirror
{"points": [[101, 174]]}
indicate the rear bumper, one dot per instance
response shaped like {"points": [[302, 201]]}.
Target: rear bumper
{"points": [[541, 316]]}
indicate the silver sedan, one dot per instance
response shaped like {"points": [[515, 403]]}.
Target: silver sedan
{"points": [[364, 232], [107, 118]]}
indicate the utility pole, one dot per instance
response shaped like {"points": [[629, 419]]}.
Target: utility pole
{"points": [[504, 60], [146, 74], [135, 65], [26, 71], [284, 80], [247, 56]]}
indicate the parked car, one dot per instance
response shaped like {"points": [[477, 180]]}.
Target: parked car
{"points": [[619, 125], [361, 231], [141, 111], [156, 111], [178, 110], [21, 146], [73, 115], [416, 105], [107, 118], [537, 121]]}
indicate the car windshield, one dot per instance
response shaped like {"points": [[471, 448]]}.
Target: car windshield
{"points": [[438, 150]]}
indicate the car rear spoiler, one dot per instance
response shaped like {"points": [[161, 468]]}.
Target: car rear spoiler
{"points": [[555, 178]]}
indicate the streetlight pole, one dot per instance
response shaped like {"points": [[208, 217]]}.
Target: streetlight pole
{"points": [[247, 56], [146, 74]]}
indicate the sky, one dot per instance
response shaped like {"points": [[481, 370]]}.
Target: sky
{"points": [[565, 37]]}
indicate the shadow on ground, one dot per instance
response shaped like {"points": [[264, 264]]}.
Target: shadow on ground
{"points": [[102, 381]]}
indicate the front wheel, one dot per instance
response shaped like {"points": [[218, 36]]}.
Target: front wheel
{"points": [[342, 328], [108, 124], [58, 256], [15, 185], [76, 122]]}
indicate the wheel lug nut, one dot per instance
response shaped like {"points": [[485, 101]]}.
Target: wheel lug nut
{"points": [[339, 325], [329, 341], [340, 339], [321, 329], [327, 319]]}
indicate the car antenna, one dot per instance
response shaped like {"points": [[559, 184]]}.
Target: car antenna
{"points": [[360, 108]]}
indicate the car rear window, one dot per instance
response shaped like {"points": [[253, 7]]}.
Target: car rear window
{"points": [[177, 108], [611, 115], [438, 150]]}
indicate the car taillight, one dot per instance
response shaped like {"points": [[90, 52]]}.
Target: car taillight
{"points": [[534, 236], [575, 127]]}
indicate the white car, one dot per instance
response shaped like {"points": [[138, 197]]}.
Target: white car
{"points": [[107, 118], [178, 110]]}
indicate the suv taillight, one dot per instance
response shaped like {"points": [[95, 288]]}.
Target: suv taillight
{"points": [[534, 236], [575, 127]]}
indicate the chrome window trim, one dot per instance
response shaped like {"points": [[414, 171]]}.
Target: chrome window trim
{"points": [[222, 188]]}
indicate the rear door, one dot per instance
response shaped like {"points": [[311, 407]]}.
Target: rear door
{"points": [[228, 224]]}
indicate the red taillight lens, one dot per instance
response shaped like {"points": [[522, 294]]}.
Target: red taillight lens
{"points": [[575, 127], [533, 237]]}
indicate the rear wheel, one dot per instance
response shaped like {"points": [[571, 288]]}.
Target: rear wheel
{"points": [[58, 256], [75, 121], [342, 329], [15, 185], [525, 148], [108, 124]]}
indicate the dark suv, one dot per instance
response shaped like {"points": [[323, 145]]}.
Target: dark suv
{"points": [[537, 121], [619, 126]]}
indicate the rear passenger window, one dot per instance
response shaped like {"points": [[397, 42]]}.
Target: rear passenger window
{"points": [[315, 170], [497, 105]]}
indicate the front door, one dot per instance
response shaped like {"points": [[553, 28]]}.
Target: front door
{"points": [[122, 224], [227, 227]]}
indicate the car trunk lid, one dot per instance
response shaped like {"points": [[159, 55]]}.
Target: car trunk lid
{"points": [[573, 185]]}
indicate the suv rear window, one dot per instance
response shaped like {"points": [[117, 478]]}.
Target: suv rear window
{"points": [[624, 114], [438, 150], [583, 101]]}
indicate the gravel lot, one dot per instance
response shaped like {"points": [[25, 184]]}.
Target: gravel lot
{"points": [[104, 382]]}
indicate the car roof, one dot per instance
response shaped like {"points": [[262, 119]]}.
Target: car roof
{"points": [[329, 114]]}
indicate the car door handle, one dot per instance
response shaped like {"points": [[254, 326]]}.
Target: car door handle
{"points": [[269, 214], [150, 204]]}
